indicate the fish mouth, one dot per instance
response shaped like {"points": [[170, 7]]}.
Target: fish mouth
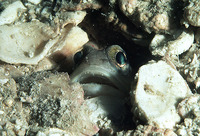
{"points": [[101, 80], [96, 85]]}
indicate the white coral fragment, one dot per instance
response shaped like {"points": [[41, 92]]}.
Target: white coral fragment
{"points": [[159, 88]]}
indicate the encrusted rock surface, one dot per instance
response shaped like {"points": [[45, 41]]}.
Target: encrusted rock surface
{"points": [[49, 33], [158, 89], [152, 16], [190, 112], [191, 13], [147, 130], [43, 103], [188, 66], [180, 42]]}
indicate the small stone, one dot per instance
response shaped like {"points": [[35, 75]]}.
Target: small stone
{"points": [[3, 81], [197, 82], [1, 112], [189, 107], [40, 134], [191, 12], [36, 2], [181, 132], [8, 102], [45, 64]]}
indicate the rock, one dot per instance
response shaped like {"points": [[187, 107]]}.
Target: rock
{"points": [[71, 17], [189, 107], [35, 1], [43, 103], [105, 110], [56, 105], [159, 88], [152, 16], [54, 132], [189, 127], [189, 110], [13, 119], [188, 65], [191, 13], [147, 130], [45, 64], [176, 45]]}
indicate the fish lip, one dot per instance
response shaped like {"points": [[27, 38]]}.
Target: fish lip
{"points": [[100, 76], [97, 79]]}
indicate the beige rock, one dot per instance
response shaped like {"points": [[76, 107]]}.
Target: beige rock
{"points": [[71, 41], [147, 130], [71, 17], [152, 130], [57, 106], [189, 127], [159, 88], [152, 16], [189, 107], [191, 13], [45, 64], [165, 44]]}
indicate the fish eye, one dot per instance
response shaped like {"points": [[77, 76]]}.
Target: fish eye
{"points": [[117, 56], [78, 56], [121, 59]]}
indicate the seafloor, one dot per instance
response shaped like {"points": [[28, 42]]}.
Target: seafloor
{"points": [[38, 43]]}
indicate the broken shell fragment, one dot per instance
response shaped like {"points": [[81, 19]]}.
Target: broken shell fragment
{"points": [[11, 13], [162, 44], [28, 46], [71, 40], [159, 88]]}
